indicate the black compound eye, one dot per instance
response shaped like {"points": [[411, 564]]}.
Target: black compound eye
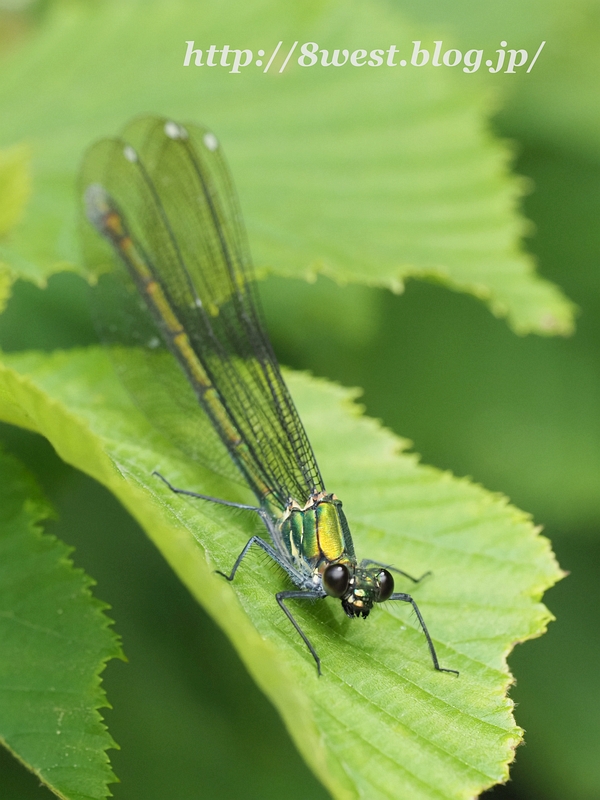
{"points": [[386, 585], [336, 579]]}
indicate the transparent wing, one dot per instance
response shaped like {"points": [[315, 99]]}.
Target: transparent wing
{"points": [[163, 200]]}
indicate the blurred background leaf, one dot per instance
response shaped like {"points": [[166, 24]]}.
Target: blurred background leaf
{"points": [[14, 186], [555, 103], [56, 641], [363, 174], [14, 193]]}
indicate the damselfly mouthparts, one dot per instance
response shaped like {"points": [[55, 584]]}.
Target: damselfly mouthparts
{"points": [[163, 201]]}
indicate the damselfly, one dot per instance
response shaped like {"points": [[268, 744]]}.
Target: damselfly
{"points": [[176, 262]]}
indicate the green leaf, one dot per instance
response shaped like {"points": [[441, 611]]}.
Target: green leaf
{"points": [[5, 286], [557, 102], [55, 643], [14, 186], [380, 722], [559, 106], [14, 194], [370, 175]]}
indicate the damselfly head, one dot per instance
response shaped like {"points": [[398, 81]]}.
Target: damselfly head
{"points": [[365, 587]]}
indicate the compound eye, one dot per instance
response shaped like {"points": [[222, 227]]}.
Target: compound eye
{"points": [[336, 579], [386, 585]]}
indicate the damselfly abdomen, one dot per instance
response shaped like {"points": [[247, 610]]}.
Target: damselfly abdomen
{"points": [[176, 264]]}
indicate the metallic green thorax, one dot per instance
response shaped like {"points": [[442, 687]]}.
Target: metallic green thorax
{"points": [[316, 540], [317, 534]]}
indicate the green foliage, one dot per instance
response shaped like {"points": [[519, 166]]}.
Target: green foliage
{"points": [[14, 193], [556, 102], [367, 178], [425, 733], [14, 186], [412, 186], [55, 642]]}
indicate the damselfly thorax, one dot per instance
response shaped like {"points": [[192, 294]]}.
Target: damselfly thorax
{"points": [[317, 538]]}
